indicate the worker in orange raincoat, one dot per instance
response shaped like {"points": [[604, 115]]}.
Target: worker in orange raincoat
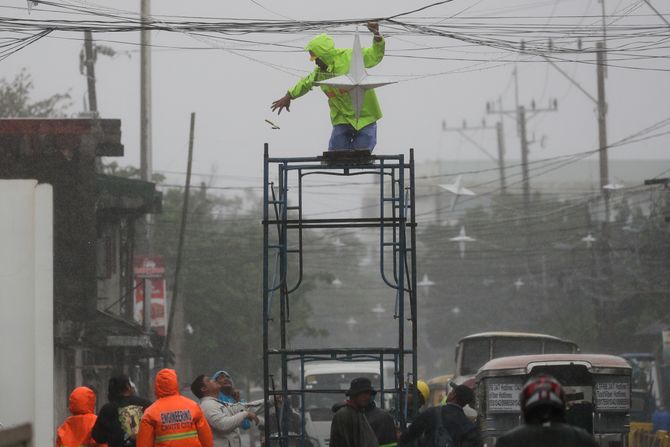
{"points": [[76, 430], [173, 420]]}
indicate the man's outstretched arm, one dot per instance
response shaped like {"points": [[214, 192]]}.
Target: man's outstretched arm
{"points": [[300, 88]]}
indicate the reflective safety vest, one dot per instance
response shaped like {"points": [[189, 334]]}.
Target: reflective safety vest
{"points": [[173, 420]]}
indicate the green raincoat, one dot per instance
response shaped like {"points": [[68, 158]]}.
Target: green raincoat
{"points": [[338, 59]]}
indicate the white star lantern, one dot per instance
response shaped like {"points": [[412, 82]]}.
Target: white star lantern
{"points": [[462, 238], [357, 81]]}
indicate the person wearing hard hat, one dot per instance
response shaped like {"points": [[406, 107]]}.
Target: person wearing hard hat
{"points": [[422, 391], [349, 131]]}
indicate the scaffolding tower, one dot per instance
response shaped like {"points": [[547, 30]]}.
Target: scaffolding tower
{"points": [[283, 249]]}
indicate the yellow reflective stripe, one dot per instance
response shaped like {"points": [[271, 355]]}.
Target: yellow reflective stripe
{"points": [[390, 444], [186, 434]]}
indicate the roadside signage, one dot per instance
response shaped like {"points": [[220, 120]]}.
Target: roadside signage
{"points": [[127, 341], [152, 271], [613, 394], [503, 397]]}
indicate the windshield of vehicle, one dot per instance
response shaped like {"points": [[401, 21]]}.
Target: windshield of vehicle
{"points": [[477, 351], [559, 347], [505, 347]]}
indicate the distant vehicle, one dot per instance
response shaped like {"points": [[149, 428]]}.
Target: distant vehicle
{"points": [[597, 388], [439, 388], [646, 386], [337, 375], [473, 351]]}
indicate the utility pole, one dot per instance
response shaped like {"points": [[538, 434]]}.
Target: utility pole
{"points": [[602, 115], [182, 234], [499, 160], [521, 113], [500, 133], [89, 63], [522, 119], [146, 165]]}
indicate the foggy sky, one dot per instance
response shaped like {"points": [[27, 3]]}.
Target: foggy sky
{"points": [[232, 95]]}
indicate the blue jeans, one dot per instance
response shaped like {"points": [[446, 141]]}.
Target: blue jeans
{"points": [[346, 137]]}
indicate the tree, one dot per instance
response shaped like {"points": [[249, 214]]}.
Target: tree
{"points": [[598, 294], [15, 99], [221, 277]]}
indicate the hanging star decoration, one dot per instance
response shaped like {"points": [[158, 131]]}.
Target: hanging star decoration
{"points": [[457, 189], [357, 81], [589, 240], [519, 284], [462, 239]]}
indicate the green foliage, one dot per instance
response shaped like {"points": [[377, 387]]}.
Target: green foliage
{"points": [[15, 101], [599, 296], [221, 281]]}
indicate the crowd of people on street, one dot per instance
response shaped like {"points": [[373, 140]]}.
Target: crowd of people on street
{"points": [[173, 420]]}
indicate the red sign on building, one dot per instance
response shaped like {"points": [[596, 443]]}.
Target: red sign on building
{"points": [[150, 272]]}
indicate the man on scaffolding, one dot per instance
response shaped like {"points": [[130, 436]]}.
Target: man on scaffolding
{"points": [[348, 132]]}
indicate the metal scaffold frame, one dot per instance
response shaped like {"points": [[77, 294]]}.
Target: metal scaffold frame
{"points": [[283, 248]]}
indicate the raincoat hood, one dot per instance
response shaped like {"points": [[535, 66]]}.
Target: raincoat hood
{"points": [[82, 401], [337, 61], [323, 47], [166, 383]]}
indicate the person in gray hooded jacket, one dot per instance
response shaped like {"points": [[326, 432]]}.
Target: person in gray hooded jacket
{"points": [[224, 418]]}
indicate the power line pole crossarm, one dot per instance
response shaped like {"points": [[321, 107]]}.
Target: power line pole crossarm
{"points": [[499, 160], [522, 119]]}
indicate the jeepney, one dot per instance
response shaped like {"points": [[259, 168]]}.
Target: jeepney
{"points": [[475, 350], [597, 388]]}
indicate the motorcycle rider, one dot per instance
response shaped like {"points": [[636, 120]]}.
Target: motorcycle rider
{"points": [[543, 407]]}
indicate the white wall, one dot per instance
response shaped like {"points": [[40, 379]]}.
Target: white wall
{"points": [[26, 307]]}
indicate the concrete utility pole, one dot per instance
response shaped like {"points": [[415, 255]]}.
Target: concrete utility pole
{"points": [[500, 159], [500, 133], [602, 115], [89, 63], [146, 159], [522, 119]]}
